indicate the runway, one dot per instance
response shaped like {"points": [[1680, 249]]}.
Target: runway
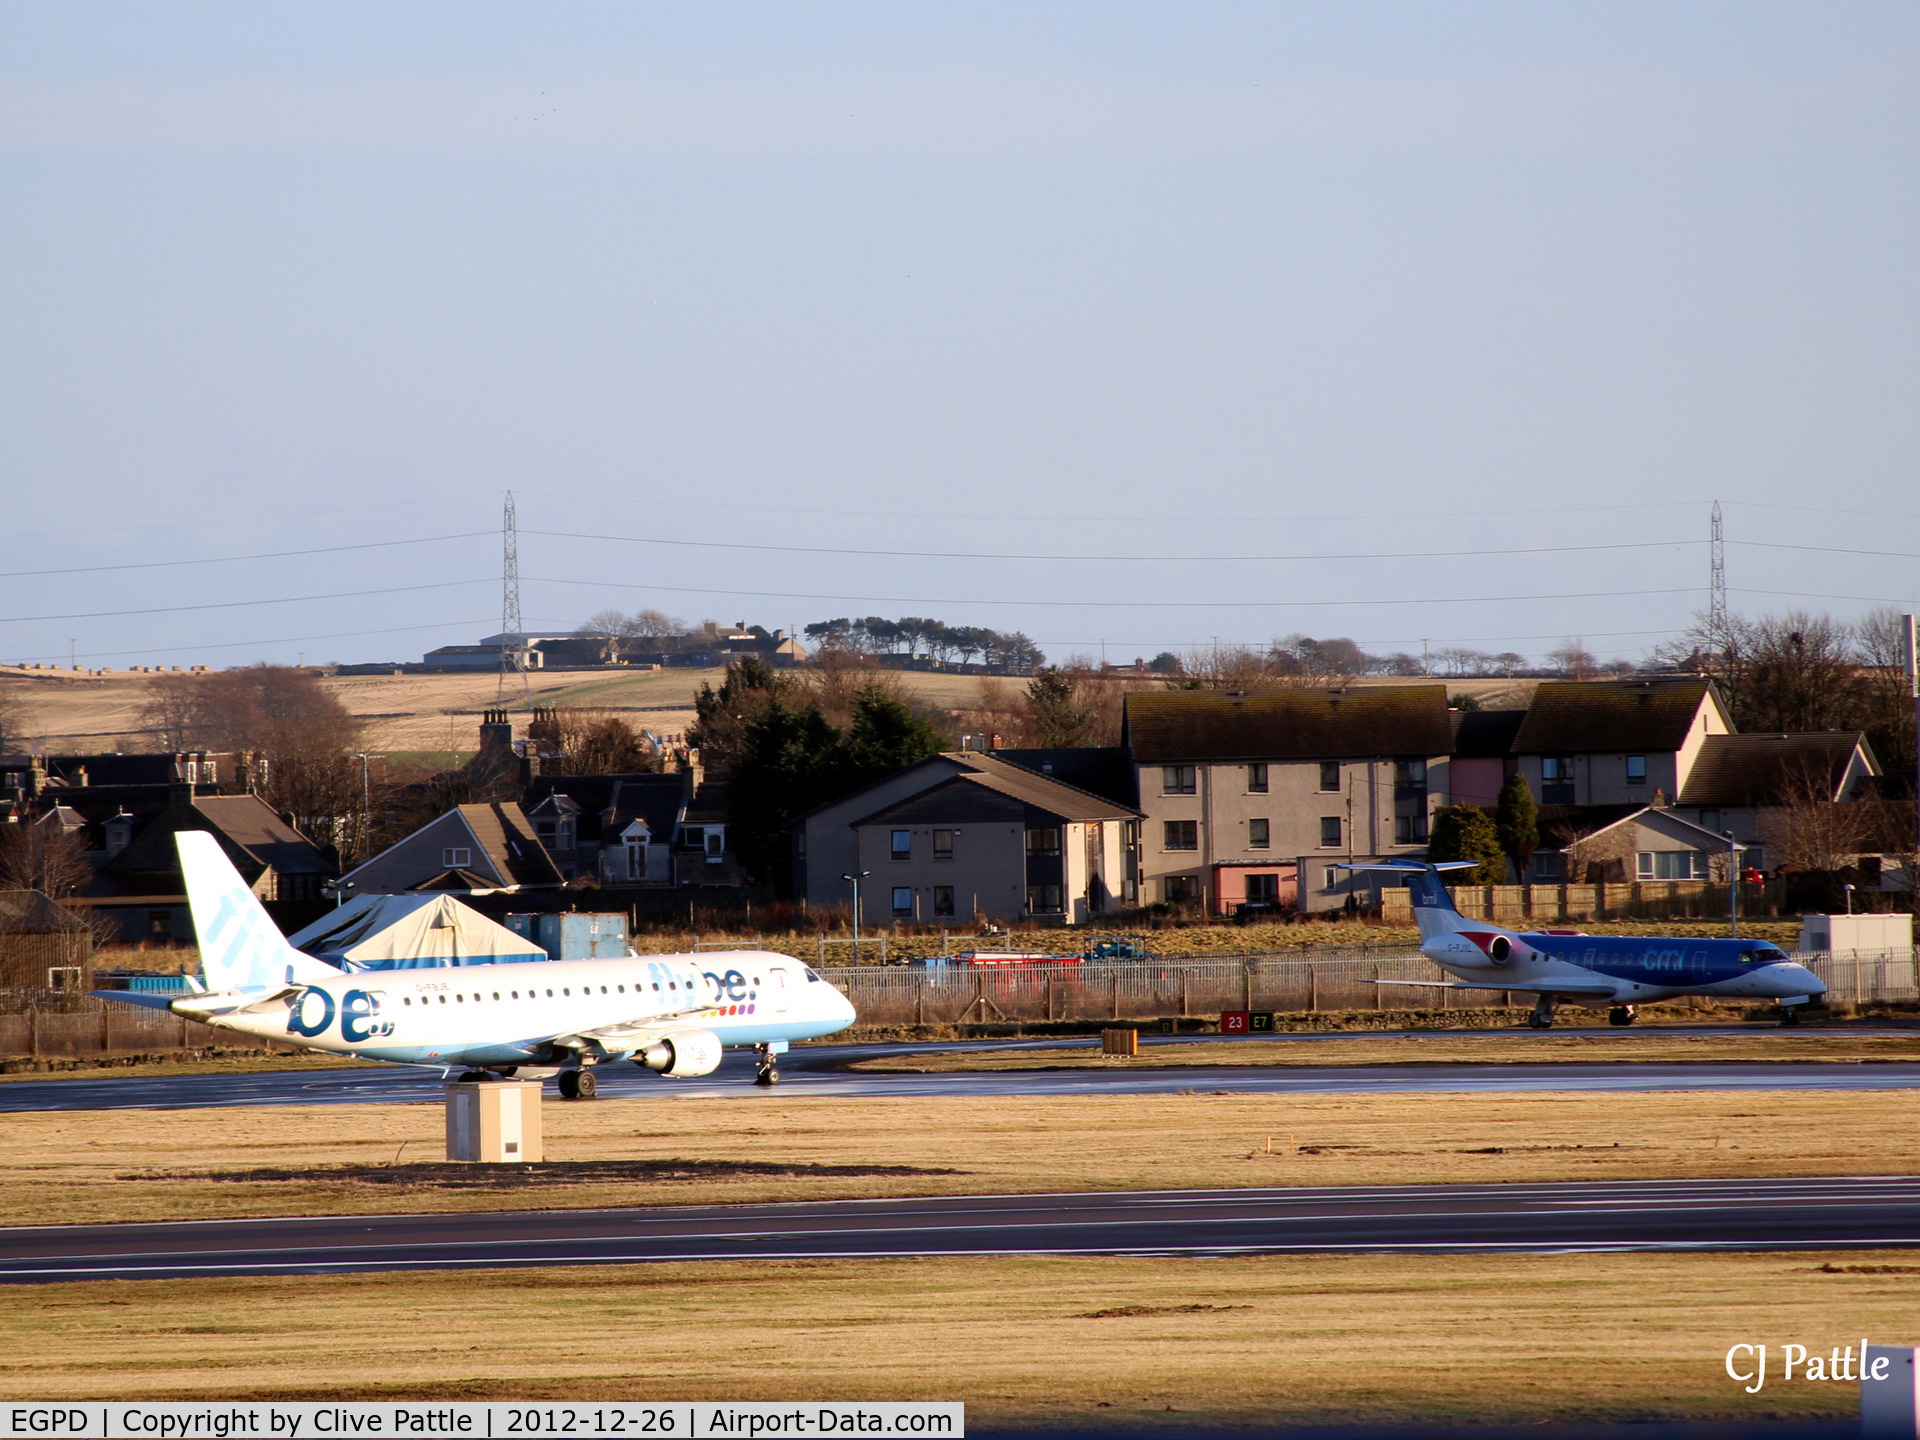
{"points": [[1796, 1214], [820, 1071]]}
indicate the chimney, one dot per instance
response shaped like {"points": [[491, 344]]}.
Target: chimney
{"points": [[496, 731], [529, 765]]}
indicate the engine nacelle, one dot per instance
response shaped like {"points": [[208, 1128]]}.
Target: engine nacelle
{"points": [[1500, 950], [683, 1055]]}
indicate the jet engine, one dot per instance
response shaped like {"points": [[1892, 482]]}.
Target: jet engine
{"points": [[1501, 950], [682, 1055]]}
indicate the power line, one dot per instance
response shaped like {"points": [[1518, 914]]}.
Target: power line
{"points": [[1108, 604], [1116, 559], [214, 523], [238, 604], [280, 640], [232, 559]]}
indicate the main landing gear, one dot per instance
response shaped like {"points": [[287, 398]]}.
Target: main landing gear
{"points": [[767, 1065], [1620, 1015], [1541, 1016], [578, 1085]]}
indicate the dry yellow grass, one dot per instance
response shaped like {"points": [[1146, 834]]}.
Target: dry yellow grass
{"points": [[80, 1166], [1129, 1341], [1832, 1047]]}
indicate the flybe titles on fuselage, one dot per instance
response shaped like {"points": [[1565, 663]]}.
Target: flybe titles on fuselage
{"points": [[360, 1017]]}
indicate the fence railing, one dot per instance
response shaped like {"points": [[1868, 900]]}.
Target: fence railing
{"points": [[1613, 900], [960, 994]]}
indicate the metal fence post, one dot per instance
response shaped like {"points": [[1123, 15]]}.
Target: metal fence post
{"points": [[1246, 984], [1113, 971], [1313, 992], [1183, 993]]}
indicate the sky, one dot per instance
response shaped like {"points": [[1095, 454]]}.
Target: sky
{"points": [[1130, 326]]}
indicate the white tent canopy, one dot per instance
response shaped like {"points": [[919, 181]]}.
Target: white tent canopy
{"points": [[411, 932]]}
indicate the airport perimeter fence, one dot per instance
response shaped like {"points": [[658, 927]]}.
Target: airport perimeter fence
{"points": [[53, 1026], [1150, 990]]}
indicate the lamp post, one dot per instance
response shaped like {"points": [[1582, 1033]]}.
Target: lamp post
{"points": [[1849, 890], [854, 879], [339, 889], [1733, 884], [366, 811]]}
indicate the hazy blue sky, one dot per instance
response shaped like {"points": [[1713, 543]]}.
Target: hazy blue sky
{"points": [[1072, 280]]}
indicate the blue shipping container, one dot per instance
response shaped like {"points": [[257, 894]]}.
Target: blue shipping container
{"points": [[582, 937]]}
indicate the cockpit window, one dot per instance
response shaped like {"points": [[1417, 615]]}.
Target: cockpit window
{"points": [[811, 977], [1765, 955]]}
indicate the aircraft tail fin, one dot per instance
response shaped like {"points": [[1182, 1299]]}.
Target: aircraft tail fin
{"points": [[1433, 908], [240, 946]]}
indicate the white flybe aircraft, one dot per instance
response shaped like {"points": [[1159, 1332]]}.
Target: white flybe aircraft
{"points": [[669, 1013]]}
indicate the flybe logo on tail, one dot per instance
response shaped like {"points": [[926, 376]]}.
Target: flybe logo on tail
{"points": [[359, 1012]]}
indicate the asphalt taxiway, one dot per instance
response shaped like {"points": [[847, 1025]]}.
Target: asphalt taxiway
{"points": [[1792, 1214], [821, 1070]]}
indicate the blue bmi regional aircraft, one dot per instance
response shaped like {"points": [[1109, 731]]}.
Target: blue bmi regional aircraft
{"points": [[1618, 971], [669, 1013]]}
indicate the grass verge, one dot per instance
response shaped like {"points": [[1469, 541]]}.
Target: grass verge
{"points": [[1177, 1343], [1836, 1047], [85, 1166]]}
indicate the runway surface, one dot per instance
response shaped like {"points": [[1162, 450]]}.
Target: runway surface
{"points": [[819, 1070], [1826, 1213]]}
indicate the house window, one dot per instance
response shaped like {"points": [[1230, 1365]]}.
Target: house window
{"points": [[1710, 820], [1043, 842], [1636, 769], [1043, 899], [943, 846], [1182, 889], [1179, 780], [1257, 779], [694, 836], [1556, 769], [456, 857], [800, 842], [903, 844], [1403, 829], [160, 924], [210, 772], [1420, 825], [1263, 889], [943, 900], [1670, 865], [903, 900], [1329, 829], [1329, 774], [1410, 772], [1547, 864], [1256, 834], [1182, 835]]}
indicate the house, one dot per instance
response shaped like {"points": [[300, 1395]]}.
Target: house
{"points": [[1253, 796], [1612, 844], [635, 830], [1482, 754], [1615, 742], [276, 860], [1737, 780], [995, 840], [472, 849]]}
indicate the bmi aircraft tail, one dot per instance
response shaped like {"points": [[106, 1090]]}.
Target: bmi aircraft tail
{"points": [[1432, 906], [240, 946]]}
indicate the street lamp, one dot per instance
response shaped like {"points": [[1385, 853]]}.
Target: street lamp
{"points": [[1733, 884], [1849, 890], [366, 812], [339, 889], [854, 879]]}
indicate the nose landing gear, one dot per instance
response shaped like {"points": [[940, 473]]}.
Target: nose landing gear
{"points": [[1620, 1015], [1789, 1014]]}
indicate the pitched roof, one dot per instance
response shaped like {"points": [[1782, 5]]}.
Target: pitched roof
{"points": [[1768, 769], [506, 834], [1103, 770], [1018, 784], [1478, 734], [1573, 716], [250, 833], [1583, 822], [1351, 722]]}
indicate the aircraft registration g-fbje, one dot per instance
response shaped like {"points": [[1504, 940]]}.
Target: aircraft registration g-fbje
{"points": [[1618, 971], [668, 1013]]}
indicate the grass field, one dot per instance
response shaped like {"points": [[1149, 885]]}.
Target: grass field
{"points": [[82, 1166], [1174, 1342], [1522, 1048]]}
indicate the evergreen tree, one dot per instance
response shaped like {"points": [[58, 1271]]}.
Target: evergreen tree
{"points": [[1059, 716], [1517, 822], [1466, 832], [886, 736], [788, 762]]}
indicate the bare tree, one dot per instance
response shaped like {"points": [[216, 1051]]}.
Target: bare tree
{"points": [[171, 711], [1573, 660], [1808, 829], [1225, 667], [1887, 701], [584, 740], [43, 855]]}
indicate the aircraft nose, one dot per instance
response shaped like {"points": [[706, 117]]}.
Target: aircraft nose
{"points": [[1798, 980]]}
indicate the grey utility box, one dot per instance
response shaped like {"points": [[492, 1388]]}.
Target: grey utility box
{"points": [[496, 1122]]}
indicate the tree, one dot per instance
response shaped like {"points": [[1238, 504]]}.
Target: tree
{"points": [[1887, 711], [580, 740], [44, 855], [788, 761], [886, 736], [1466, 832], [1573, 660], [1516, 822], [1808, 829], [720, 717], [1060, 715], [1224, 667], [610, 629], [1165, 663]]}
